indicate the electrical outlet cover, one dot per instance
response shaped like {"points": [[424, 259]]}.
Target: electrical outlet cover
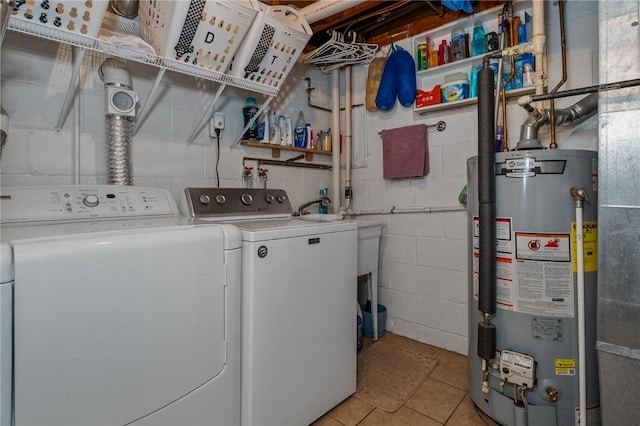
{"points": [[218, 121]]}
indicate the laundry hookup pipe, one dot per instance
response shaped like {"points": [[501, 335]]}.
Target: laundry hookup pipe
{"points": [[487, 211]]}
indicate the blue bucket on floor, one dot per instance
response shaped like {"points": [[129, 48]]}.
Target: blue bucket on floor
{"points": [[367, 318]]}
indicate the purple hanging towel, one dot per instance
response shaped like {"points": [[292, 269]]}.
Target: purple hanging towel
{"points": [[405, 153]]}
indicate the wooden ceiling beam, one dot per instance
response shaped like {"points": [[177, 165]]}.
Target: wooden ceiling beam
{"points": [[399, 32]]}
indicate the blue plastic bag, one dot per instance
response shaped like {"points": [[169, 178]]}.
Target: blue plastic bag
{"points": [[454, 5], [387, 91], [405, 74]]}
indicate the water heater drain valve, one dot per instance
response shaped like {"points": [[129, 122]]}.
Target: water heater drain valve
{"points": [[517, 368]]}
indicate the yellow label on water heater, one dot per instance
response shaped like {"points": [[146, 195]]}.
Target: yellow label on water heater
{"points": [[565, 366], [590, 246]]}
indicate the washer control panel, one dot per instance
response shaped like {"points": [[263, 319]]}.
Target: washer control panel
{"points": [[30, 204], [237, 202]]}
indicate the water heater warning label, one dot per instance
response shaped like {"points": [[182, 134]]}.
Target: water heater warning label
{"points": [[590, 246], [565, 366], [533, 273], [546, 247]]}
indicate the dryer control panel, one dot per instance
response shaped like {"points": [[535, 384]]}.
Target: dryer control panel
{"points": [[32, 204]]}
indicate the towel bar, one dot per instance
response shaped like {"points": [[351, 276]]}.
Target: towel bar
{"points": [[440, 126]]}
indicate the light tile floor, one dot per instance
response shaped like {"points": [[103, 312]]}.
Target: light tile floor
{"points": [[443, 398]]}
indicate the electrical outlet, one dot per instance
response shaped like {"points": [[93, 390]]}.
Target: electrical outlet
{"points": [[218, 121]]}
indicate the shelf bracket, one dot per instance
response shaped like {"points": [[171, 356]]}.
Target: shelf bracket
{"points": [[207, 114], [73, 86], [144, 109], [287, 163], [264, 106]]}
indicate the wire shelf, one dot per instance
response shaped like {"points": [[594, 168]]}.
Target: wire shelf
{"points": [[124, 52]]}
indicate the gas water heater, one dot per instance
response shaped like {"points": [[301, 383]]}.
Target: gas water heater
{"points": [[533, 378]]}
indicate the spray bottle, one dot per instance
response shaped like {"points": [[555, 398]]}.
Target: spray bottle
{"points": [[300, 132], [274, 129]]}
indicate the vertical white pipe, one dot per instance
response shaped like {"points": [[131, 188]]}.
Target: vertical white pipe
{"points": [[539, 40], [348, 113], [582, 358], [76, 141], [76, 134], [335, 148]]}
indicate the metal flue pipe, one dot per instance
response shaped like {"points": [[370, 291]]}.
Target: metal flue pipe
{"points": [[529, 129]]}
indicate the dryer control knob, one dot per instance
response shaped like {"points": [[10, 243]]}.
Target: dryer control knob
{"points": [[204, 199], [221, 199], [281, 198], [246, 199], [269, 198], [91, 200]]}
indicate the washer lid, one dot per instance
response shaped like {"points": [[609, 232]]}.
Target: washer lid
{"points": [[260, 230]]}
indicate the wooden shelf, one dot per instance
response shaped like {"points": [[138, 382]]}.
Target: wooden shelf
{"points": [[275, 149], [471, 101], [428, 78]]}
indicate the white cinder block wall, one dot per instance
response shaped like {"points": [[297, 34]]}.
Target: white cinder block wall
{"points": [[35, 77], [423, 257], [423, 276]]}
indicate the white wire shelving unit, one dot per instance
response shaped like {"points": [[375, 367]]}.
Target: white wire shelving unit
{"points": [[113, 27]]}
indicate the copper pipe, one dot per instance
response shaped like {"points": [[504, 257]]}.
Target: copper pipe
{"points": [[505, 141], [507, 41], [512, 42], [563, 45]]}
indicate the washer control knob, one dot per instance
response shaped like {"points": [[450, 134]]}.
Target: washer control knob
{"points": [[281, 198], [269, 198], [221, 199], [205, 199], [246, 199], [91, 200]]}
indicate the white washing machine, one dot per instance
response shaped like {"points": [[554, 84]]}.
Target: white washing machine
{"points": [[298, 297], [115, 309]]}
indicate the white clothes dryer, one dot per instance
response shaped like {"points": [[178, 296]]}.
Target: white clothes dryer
{"points": [[115, 309], [298, 297]]}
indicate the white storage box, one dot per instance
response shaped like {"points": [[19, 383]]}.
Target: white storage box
{"points": [[76, 17], [173, 29], [276, 39]]}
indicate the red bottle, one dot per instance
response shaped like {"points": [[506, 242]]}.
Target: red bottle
{"points": [[444, 54]]}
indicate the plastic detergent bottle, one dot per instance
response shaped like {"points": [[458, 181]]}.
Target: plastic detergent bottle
{"points": [[282, 125], [263, 127], [311, 143], [324, 192], [479, 42], [300, 132], [248, 112], [458, 44], [327, 145], [274, 129]]}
